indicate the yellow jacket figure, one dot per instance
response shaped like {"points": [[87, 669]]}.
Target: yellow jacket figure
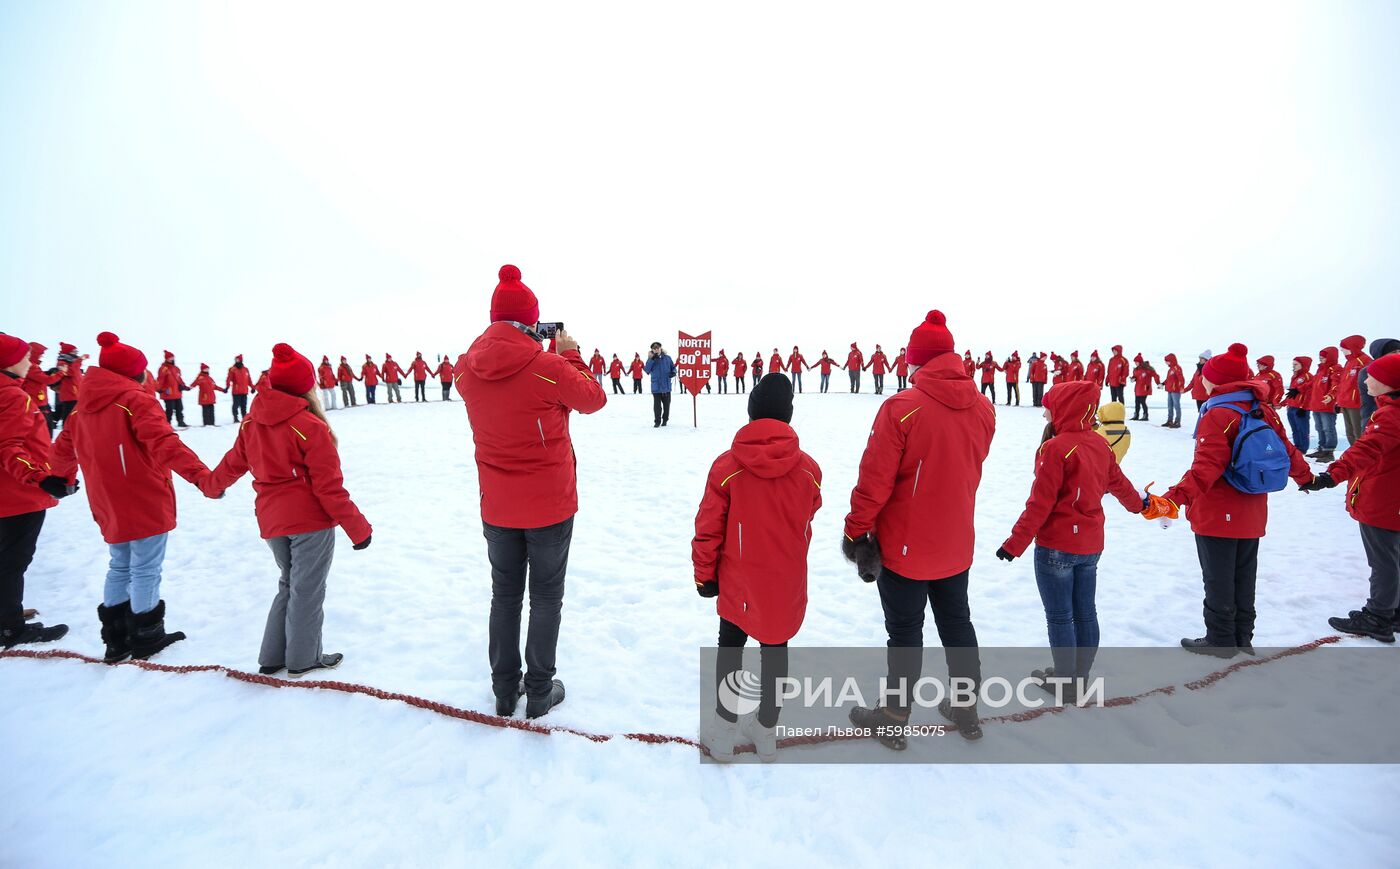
{"points": [[1113, 429]]}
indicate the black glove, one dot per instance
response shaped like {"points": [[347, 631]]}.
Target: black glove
{"points": [[1004, 555], [1321, 481], [864, 553], [363, 544], [1292, 393], [57, 487], [707, 589]]}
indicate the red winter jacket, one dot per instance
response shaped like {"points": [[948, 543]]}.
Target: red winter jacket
{"points": [[1094, 372], [879, 362], [1372, 465], [855, 360], [901, 366], [1176, 378], [825, 364], [775, 364], [1037, 372], [1143, 378], [391, 371], [1117, 368], [1349, 391], [238, 380], [169, 382], [741, 367], [206, 386], [24, 450], [296, 470], [419, 368], [969, 367], [1076, 370], [1300, 384], [518, 399], [325, 376], [615, 370], [1073, 472], [924, 521], [70, 382], [1060, 371], [369, 372], [118, 436], [37, 381], [595, 365], [989, 370], [1327, 380], [754, 527], [796, 362], [1197, 386], [721, 365], [444, 370], [1271, 377], [1013, 370], [1216, 508], [639, 368]]}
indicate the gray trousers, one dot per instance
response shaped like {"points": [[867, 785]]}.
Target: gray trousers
{"points": [[394, 392], [1383, 554], [293, 634], [545, 552], [1351, 417]]}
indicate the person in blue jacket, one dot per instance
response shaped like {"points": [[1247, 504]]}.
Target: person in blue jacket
{"points": [[662, 370]]}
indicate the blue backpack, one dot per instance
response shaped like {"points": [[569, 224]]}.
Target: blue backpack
{"points": [[1259, 461]]}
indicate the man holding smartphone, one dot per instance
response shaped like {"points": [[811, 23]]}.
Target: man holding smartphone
{"points": [[662, 370], [518, 397]]}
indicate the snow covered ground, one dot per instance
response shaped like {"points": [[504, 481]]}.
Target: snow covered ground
{"points": [[141, 768]]}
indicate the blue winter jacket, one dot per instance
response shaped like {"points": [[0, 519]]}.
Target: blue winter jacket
{"points": [[662, 369]]}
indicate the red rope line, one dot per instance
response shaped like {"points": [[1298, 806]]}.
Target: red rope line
{"points": [[531, 726]]}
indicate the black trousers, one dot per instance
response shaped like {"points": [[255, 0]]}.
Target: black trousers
{"points": [[636, 385], [773, 659], [1139, 406], [446, 390], [993, 388], [1013, 389], [879, 383], [724, 385], [757, 376], [903, 601], [64, 408], [1200, 403], [240, 406], [175, 409], [739, 385], [1115, 393], [420, 390], [18, 537], [207, 410], [855, 380], [903, 382], [661, 406], [1038, 394], [544, 554], [1228, 567], [617, 386]]}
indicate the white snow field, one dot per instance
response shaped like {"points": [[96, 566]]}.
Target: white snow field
{"points": [[123, 767]]}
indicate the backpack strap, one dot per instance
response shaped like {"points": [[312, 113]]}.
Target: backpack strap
{"points": [[1226, 401]]}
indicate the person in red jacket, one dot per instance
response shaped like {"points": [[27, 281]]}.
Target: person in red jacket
{"points": [[419, 369], [911, 529], [1037, 374], [901, 369], [1349, 390], [756, 367], [1059, 369], [70, 371], [1174, 385], [37, 382], [1197, 386], [1012, 367], [345, 377], [989, 368], [721, 371], [392, 373], [172, 387], [1296, 400], [796, 364], [824, 365], [28, 488], [239, 382], [615, 372], [207, 387], [1116, 375], [444, 374], [638, 368], [855, 364], [596, 366], [969, 365], [1227, 522], [1371, 468], [1094, 371], [752, 533], [518, 399], [741, 368], [1322, 403], [126, 450], [1076, 368], [290, 449], [879, 364], [1144, 375], [369, 373], [1273, 378], [327, 381], [1074, 470]]}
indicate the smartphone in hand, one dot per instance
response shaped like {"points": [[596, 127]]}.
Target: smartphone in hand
{"points": [[548, 330]]}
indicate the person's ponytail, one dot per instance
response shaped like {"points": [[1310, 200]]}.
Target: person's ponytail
{"points": [[313, 404]]}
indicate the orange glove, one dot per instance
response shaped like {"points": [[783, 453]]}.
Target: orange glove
{"points": [[1157, 506]]}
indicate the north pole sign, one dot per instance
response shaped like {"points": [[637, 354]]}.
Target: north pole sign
{"points": [[693, 360]]}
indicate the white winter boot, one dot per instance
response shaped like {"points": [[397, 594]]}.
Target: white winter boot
{"points": [[765, 739], [720, 738]]}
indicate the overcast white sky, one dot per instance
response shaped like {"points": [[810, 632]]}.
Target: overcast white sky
{"points": [[349, 177]]}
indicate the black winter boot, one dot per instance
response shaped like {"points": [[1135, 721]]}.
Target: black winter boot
{"points": [[25, 633], [113, 619], [1203, 646], [538, 706], [1326, 456], [146, 632], [964, 718], [1365, 623], [884, 724], [326, 662], [506, 703]]}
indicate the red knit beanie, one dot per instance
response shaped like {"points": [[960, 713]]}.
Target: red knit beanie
{"points": [[1228, 367], [291, 371], [12, 350], [929, 339], [120, 358], [65, 347], [36, 351], [513, 300], [169, 356], [1386, 369]]}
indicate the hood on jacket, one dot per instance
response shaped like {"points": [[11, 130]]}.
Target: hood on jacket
{"points": [[1384, 346], [1111, 413], [1265, 363], [766, 447], [1305, 362], [501, 351], [1353, 343], [36, 351], [1072, 405], [1171, 357], [945, 380], [102, 388], [1117, 349], [272, 406], [1327, 354]]}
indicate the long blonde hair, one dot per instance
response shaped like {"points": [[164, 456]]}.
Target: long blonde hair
{"points": [[313, 404]]}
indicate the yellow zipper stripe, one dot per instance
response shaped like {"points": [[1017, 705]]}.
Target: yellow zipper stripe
{"points": [[545, 379], [124, 407], [911, 413], [299, 434], [730, 477]]}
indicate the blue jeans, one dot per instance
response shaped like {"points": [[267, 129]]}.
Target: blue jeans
{"points": [[1298, 423], [1066, 583], [1326, 422], [1173, 407], [797, 380], [826, 381], [134, 573]]}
